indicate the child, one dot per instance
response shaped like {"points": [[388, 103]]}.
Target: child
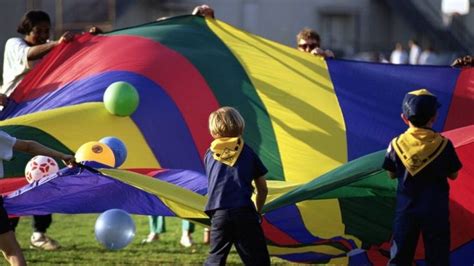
{"points": [[8, 244], [231, 166], [21, 55], [422, 160], [158, 226]]}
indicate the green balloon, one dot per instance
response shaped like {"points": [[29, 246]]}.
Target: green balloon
{"points": [[121, 98]]}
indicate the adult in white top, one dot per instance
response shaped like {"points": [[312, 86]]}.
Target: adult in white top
{"points": [[21, 54], [399, 56], [8, 244], [415, 51]]}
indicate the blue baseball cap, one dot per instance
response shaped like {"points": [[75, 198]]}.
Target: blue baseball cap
{"points": [[420, 105]]}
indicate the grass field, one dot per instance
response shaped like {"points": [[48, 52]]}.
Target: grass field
{"points": [[79, 246]]}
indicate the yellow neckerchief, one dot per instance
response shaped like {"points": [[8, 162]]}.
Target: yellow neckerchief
{"points": [[227, 150], [417, 147]]}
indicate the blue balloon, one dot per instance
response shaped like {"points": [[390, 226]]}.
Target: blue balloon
{"points": [[114, 229], [118, 147]]}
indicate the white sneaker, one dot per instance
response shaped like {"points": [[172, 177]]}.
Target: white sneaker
{"points": [[186, 241], [150, 238], [44, 242]]}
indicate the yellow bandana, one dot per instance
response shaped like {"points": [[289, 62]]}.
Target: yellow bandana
{"points": [[227, 150], [417, 147]]}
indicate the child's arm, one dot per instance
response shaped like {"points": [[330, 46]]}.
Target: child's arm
{"points": [[35, 148], [391, 174], [262, 191], [453, 176], [454, 164], [39, 51]]}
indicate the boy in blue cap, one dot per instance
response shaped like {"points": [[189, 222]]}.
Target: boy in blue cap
{"points": [[422, 160], [231, 166]]}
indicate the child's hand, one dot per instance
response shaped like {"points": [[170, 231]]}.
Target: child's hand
{"points": [[69, 160], [324, 53], [66, 37], [3, 99], [94, 30], [204, 11]]}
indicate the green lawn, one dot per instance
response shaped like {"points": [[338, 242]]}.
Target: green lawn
{"points": [[79, 246]]}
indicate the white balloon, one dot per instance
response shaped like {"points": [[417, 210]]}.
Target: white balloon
{"points": [[39, 167]]}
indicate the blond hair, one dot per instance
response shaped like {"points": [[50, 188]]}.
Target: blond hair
{"points": [[226, 122]]}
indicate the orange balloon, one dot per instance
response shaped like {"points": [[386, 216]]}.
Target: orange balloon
{"points": [[97, 152]]}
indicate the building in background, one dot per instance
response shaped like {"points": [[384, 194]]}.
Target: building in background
{"points": [[352, 29]]}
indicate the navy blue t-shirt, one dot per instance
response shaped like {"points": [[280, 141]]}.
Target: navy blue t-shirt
{"points": [[427, 192], [231, 186]]}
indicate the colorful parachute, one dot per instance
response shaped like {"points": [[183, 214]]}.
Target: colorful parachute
{"points": [[319, 126]]}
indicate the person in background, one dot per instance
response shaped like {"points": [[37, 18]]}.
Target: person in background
{"points": [[308, 40], [422, 160], [428, 57], [21, 55], [414, 52], [399, 55], [8, 244], [207, 12], [157, 223], [158, 226]]}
